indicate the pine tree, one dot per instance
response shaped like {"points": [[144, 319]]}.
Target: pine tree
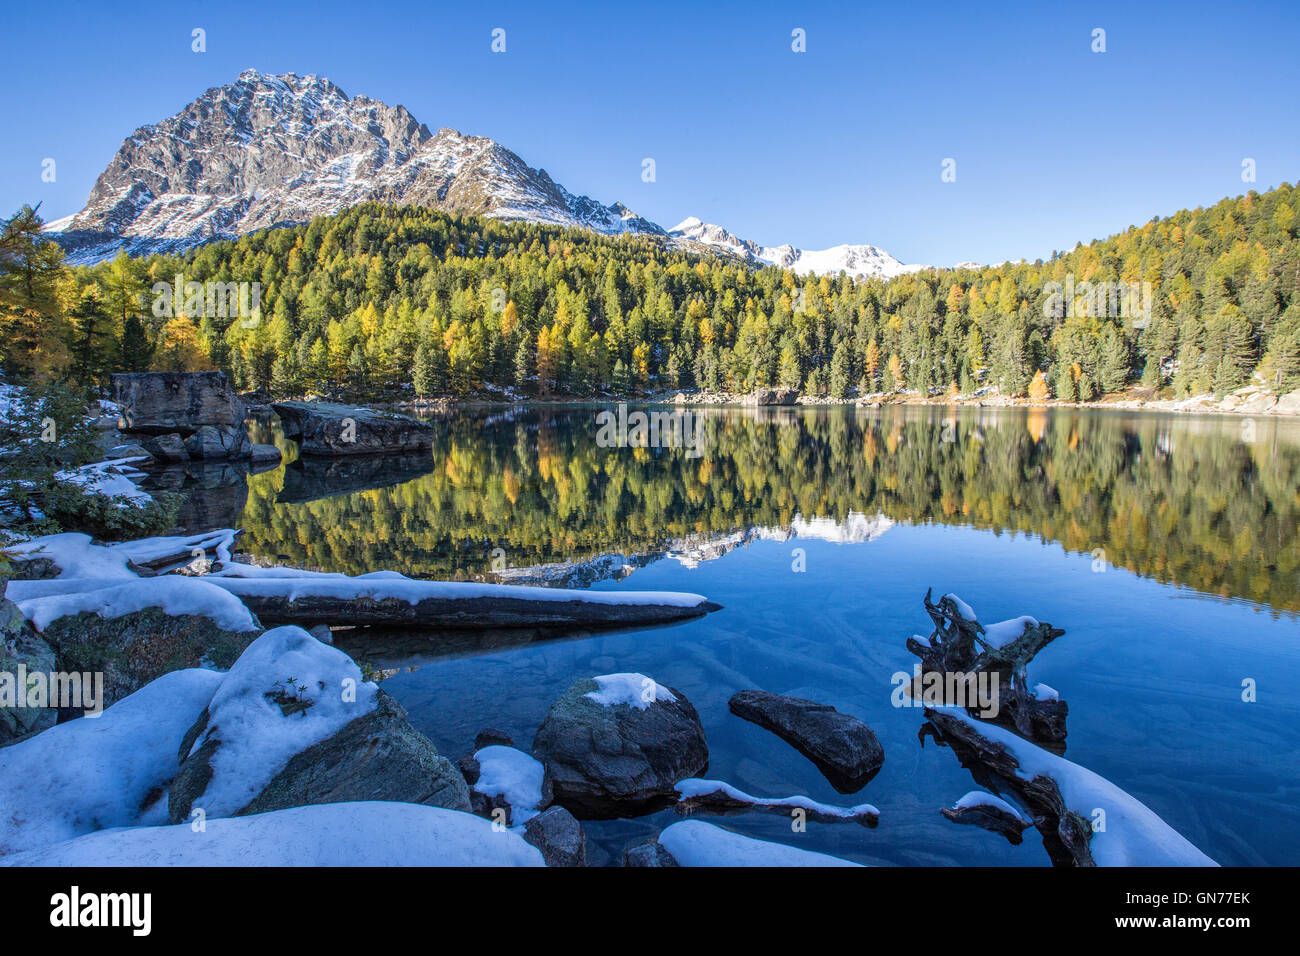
{"points": [[422, 371]]}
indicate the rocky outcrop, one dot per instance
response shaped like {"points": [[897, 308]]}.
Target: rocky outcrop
{"points": [[326, 428], [558, 834], [844, 749], [182, 416], [649, 853], [377, 756], [22, 651], [993, 815], [772, 396], [156, 403], [133, 649], [608, 758]]}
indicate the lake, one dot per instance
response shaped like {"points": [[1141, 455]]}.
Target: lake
{"points": [[1165, 546]]}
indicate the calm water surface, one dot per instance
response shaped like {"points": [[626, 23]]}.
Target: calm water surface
{"points": [[1165, 546]]}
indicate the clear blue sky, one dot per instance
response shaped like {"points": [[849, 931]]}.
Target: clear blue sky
{"points": [[843, 143]]}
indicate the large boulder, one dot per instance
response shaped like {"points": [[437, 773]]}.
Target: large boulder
{"points": [[218, 443], [844, 749], [1288, 404], [22, 651], [616, 745], [157, 403], [326, 428], [772, 396], [134, 649], [293, 724]]}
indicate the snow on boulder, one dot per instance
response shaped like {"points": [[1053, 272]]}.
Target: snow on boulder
{"points": [[616, 745], [696, 843], [294, 723], [992, 813], [94, 773], [510, 779], [338, 834]]}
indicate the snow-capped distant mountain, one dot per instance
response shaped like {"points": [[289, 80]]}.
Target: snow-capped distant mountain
{"points": [[273, 150], [277, 150], [856, 260]]}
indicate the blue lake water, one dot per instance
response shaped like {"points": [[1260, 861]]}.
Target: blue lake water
{"points": [[1165, 547]]}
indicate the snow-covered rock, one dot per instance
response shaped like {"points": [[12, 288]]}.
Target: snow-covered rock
{"points": [[696, 843], [857, 260], [294, 723], [107, 771], [371, 833], [617, 745]]}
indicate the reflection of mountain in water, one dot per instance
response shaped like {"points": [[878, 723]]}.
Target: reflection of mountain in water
{"points": [[692, 550]]}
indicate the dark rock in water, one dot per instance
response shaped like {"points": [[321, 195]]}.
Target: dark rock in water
{"points": [[649, 853], [378, 756], [990, 817], [157, 403], [614, 760], [133, 649], [844, 749], [469, 769], [128, 450], [263, 453], [559, 836], [325, 428], [489, 737], [20, 645], [322, 633], [168, 448], [218, 443]]}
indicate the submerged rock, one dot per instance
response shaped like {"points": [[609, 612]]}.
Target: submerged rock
{"points": [[325, 428], [845, 750], [648, 854], [617, 745]]}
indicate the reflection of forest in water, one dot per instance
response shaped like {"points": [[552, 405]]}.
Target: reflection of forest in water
{"points": [[1183, 500]]}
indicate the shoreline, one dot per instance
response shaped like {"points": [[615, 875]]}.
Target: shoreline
{"points": [[1284, 406]]}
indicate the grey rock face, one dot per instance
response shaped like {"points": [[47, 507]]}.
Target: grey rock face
{"points": [[158, 403], [325, 428], [21, 645], [378, 756], [650, 853], [167, 449], [618, 760], [266, 150], [133, 649], [559, 836], [844, 748]]}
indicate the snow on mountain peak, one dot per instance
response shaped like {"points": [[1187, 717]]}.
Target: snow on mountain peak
{"points": [[277, 149]]}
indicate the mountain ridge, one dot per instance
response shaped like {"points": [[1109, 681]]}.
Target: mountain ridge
{"points": [[275, 150]]}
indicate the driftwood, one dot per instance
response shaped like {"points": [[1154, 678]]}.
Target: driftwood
{"points": [[1066, 834], [958, 646], [725, 800], [290, 600], [990, 818]]}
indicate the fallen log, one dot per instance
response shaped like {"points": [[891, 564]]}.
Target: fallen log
{"points": [[391, 600], [717, 796], [1084, 819]]}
